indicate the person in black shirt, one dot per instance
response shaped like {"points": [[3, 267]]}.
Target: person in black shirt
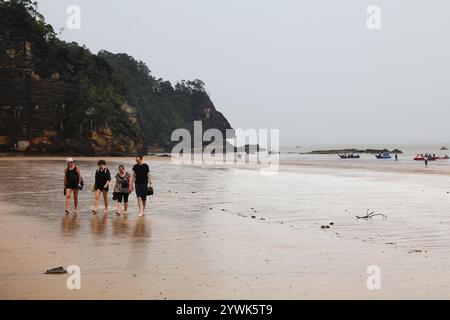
{"points": [[142, 180], [102, 179], [72, 183]]}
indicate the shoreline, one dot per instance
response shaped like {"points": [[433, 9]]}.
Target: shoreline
{"points": [[285, 164], [63, 158]]}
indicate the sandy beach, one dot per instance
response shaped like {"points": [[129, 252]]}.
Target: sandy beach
{"points": [[296, 150], [229, 233]]}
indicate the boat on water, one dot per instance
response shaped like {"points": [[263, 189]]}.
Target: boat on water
{"points": [[349, 156], [384, 155], [426, 156], [444, 148], [430, 157]]}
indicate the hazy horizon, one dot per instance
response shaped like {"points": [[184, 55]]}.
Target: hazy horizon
{"points": [[311, 69]]}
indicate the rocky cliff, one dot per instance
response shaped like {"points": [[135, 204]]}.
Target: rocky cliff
{"points": [[58, 97]]}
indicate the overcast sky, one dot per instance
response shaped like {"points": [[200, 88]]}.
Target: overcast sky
{"points": [[310, 68]]}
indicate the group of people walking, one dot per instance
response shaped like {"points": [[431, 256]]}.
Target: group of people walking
{"points": [[125, 183]]}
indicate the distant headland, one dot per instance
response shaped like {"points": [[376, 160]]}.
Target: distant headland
{"points": [[353, 150]]}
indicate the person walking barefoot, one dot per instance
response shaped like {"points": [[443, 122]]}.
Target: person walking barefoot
{"points": [[102, 179], [122, 189], [140, 182], [72, 183]]}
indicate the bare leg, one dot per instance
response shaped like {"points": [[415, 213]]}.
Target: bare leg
{"points": [[68, 194], [97, 197], [105, 199], [75, 199], [118, 205], [125, 207], [141, 207]]}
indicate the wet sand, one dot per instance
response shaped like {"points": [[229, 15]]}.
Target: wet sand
{"points": [[200, 240]]}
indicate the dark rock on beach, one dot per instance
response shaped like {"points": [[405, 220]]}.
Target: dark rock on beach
{"points": [[58, 270]]}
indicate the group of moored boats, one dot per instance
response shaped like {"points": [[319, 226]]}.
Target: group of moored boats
{"points": [[387, 155], [349, 156]]}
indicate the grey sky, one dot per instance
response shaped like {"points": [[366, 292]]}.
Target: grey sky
{"points": [[310, 68]]}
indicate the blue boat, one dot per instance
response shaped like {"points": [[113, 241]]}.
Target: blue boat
{"points": [[385, 155]]}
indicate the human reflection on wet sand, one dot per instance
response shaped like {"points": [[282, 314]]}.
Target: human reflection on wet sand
{"points": [[98, 225], [70, 224], [140, 230], [120, 226]]}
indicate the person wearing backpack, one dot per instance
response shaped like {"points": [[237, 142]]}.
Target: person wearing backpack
{"points": [[122, 190], [101, 185], [72, 184]]}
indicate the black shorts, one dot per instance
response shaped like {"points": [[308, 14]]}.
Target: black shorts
{"points": [[72, 185], [121, 196], [102, 188], [141, 190]]}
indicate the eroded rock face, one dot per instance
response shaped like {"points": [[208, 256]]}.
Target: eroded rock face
{"points": [[34, 108], [33, 113], [104, 142]]}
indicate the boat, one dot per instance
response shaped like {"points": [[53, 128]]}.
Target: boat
{"points": [[385, 155], [444, 148], [430, 157], [349, 156]]}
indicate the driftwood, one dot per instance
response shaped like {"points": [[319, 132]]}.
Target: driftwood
{"points": [[370, 215]]}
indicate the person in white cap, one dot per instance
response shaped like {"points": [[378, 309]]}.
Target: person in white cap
{"points": [[72, 183]]}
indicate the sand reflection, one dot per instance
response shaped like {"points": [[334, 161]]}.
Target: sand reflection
{"points": [[70, 224], [99, 224], [140, 230], [120, 225]]}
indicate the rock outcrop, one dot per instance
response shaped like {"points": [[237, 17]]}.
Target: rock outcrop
{"points": [[58, 97]]}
